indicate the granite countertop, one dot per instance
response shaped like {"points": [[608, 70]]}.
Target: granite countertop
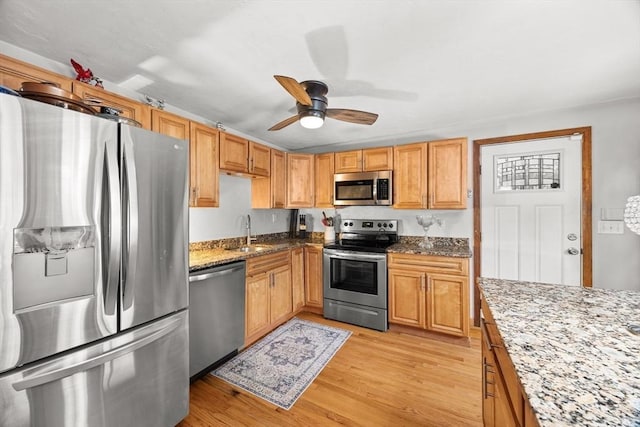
{"points": [[206, 256], [577, 361], [442, 246]]}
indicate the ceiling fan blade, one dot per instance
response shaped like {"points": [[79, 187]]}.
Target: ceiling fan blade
{"points": [[295, 89], [284, 123], [352, 116]]}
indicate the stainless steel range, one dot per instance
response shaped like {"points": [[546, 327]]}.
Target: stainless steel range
{"points": [[355, 272]]}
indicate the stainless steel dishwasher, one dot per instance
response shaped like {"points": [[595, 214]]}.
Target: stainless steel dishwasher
{"points": [[216, 316]]}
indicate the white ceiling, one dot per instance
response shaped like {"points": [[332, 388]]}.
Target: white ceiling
{"points": [[421, 65]]}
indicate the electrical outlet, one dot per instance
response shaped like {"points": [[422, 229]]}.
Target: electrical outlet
{"points": [[610, 227], [273, 217]]}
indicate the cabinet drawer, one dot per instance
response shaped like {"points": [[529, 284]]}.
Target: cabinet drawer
{"points": [[262, 263], [435, 264]]}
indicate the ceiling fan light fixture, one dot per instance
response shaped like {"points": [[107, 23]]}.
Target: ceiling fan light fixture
{"points": [[312, 119]]}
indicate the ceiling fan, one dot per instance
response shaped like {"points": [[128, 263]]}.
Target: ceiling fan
{"points": [[312, 106]]}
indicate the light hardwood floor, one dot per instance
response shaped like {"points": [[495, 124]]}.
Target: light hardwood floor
{"points": [[375, 379]]}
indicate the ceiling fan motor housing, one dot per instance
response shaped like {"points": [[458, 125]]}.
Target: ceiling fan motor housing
{"points": [[317, 91]]}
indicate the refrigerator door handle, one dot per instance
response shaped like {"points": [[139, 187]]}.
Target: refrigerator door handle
{"points": [[57, 374], [111, 228], [130, 203]]}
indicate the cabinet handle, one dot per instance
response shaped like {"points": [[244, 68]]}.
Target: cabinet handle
{"points": [[485, 382], [251, 164]]}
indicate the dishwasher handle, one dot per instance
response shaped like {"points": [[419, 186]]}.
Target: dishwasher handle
{"points": [[218, 273]]}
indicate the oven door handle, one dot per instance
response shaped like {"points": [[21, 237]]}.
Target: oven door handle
{"points": [[355, 255]]}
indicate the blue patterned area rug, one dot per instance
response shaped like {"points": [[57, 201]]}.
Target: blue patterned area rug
{"points": [[281, 366]]}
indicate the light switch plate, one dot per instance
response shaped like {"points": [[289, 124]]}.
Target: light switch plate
{"points": [[610, 227]]}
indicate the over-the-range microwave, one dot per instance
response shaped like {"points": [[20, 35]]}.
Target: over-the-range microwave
{"points": [[363, 189]]}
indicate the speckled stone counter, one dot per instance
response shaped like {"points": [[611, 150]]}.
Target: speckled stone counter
{"points": [[576, 359], [442, 246], [210, 254]]}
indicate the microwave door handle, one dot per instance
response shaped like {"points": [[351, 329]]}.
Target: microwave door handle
{"points": [[111, 228], [374, 184], [130, 200]]}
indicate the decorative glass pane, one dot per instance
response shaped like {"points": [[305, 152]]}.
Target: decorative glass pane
{"points": [[529, 172]]}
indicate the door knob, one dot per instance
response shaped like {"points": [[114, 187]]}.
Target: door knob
{"points": [[573, 251]]}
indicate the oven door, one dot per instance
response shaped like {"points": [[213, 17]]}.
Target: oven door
{"points": [[355, 277]]}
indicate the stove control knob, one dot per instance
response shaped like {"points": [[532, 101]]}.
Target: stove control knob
{"points": [[346, 223], [384, 225], [350, 224], [379, 225], [391, 225]]}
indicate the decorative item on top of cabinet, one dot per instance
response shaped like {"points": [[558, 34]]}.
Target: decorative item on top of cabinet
{"points": [[300, 180], [429, 292], [367, 160], [204, 187], [14, 72], [313, 293], [169, 124], [324, 180], [268, 193], [268, 294], [297, 278], [431, 175], [239, 155], [128, 108]]}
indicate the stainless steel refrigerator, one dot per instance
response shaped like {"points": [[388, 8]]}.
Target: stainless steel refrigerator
{"points": [[93, 271]]}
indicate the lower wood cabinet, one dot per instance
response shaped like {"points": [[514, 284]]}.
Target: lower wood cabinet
{"points": [[429, 292], [268, 295], [313, 294], [503, 401], [297, 278]]}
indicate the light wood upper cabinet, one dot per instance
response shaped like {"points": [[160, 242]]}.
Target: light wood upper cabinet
{"points": [[370, 159], [324, 165], [170, 124], [447, 169], [313, 293], [259, 159], [348, 161], [234, 153], [243, 156], [267, 193], [429, 292], [128, 107], [14, 72], [410, 176], [203, 166], [377, 159], [431, 175], [300, 180]]}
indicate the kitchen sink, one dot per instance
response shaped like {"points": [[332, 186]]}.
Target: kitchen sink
{"points": [[258, 247]]}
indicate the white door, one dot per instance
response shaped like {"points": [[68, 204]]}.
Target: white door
{"points": [[530, 210]]}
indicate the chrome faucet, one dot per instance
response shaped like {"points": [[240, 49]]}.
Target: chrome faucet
{"points": [[249, 238]]}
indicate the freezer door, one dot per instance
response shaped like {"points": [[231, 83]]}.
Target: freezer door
{"points": [[155, 221], [59, 245], [139, 378]]}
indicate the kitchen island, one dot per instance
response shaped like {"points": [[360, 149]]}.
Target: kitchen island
{"points": [[576, 359]]}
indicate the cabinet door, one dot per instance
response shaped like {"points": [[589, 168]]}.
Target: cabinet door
{"points": [[203, 166], [488, 385], [259, 159], [448, 304], [281, 298], [324, 180], [313, 276], [257, 314], [14, 72], [300, 183], [348, 161], [278, 180], [128, 107], [297, 278], [234, 153], [407, 297], [448, 174], [169, 124], [377, 159], [410, 176]]}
